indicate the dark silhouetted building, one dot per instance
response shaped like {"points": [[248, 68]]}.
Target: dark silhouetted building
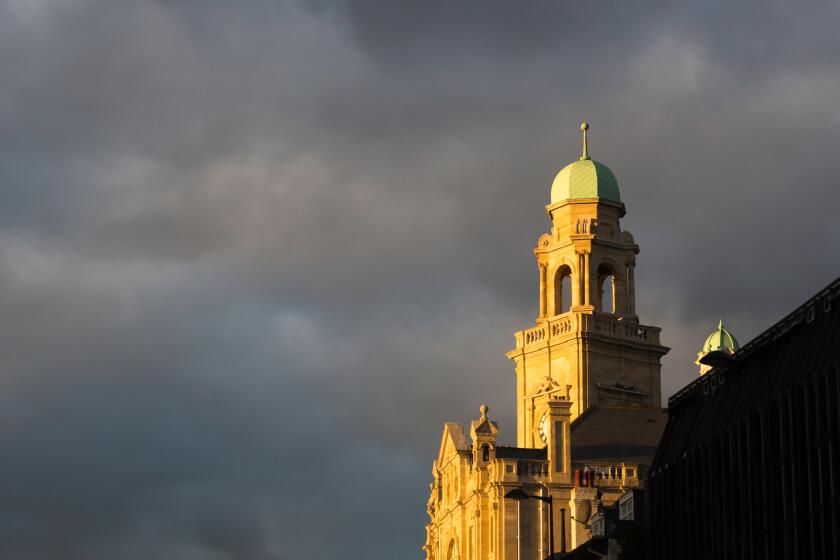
{"points": [[749, 463]]}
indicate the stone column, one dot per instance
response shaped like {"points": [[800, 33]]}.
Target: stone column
{"points": [[559, 445], [542, 292], [619, 294], [587, 282], [631, 288]]}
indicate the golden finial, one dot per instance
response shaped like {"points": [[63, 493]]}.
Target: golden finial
{"points": [[584, 126], [483, 408]]}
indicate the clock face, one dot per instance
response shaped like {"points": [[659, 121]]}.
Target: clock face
{"points": [[544, 428]]}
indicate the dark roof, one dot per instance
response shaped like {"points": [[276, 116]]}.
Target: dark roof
{"points": [[799, 346], [629, 535], [617, 434], [596, 547], [503, 452]]}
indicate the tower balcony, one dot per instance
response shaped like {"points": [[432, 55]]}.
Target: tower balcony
{"points": [[574, 324]]}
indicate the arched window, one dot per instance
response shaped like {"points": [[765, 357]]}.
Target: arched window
{"points": [[452, 551], [562, 290], [606, 289], [485, 452]]}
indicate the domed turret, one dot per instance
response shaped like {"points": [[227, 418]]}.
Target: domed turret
{"points": [[585, 178], [721, 340]]}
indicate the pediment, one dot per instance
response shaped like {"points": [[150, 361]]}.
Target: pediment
{"points": [[624, 383], [452, 442], [550, 386]]}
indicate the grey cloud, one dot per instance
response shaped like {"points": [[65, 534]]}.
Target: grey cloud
{"points": [[252, 256]]}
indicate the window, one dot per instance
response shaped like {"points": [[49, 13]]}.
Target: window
{"points": [[625, 507], [452, 552], [485, 452], [598, 525], [605, 300], [562, 290]]}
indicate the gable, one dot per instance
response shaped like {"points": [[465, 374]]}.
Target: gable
{"points": [[453, 441]]}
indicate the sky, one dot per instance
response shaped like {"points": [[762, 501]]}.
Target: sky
{"points": [[253, 255]]}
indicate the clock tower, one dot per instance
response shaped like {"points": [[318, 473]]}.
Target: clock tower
{"points": [[587, 343], [587, 395]]}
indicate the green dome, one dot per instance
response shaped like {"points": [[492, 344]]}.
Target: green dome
{"points": [[585, 178], [721, 339]]}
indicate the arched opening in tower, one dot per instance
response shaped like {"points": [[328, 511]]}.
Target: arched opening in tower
{"points": [[562, 290], [606, 290]]}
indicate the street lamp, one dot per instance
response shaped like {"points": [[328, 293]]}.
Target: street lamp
{"points": [[518, 495]]}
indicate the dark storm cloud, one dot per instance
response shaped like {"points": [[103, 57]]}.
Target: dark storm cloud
{"points": [[252, 255]]}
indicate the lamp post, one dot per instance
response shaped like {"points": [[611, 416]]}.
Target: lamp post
{"points": [[518, 495]]}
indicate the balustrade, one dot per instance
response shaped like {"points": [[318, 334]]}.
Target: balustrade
{"points": [[603, 475], [531, 468], [534, 335], [599, 323], [561, 326]]}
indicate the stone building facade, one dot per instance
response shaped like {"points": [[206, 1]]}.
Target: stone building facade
{"points": [[587, 394]]}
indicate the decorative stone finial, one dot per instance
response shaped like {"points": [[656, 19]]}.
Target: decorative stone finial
{"points": [[483, 408], [584, 126]]}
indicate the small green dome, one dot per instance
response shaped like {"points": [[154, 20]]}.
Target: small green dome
{"points": [[585, 178], [721, 339]]}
